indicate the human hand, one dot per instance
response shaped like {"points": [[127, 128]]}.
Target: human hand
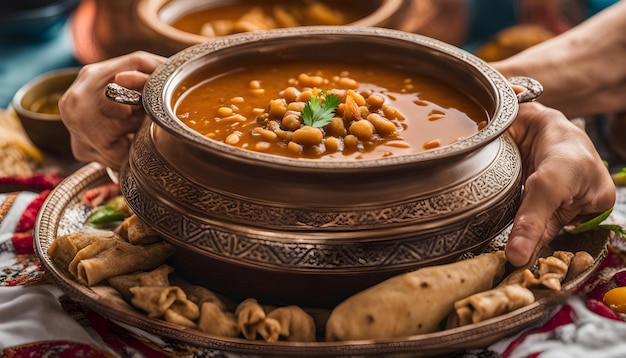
{"points": [[101, 129], [565, 179], [582, 70]]}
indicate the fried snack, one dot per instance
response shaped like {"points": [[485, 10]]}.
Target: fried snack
{"points": [[174, 317], [89, 251], [136, 231], [412, 303], [581, 261], [552, 271], [157, 300], [64, 248], [214, 320], [199, 295], [295, 324], [488, 304], [269, 329], [123, 258], [157, 278], [249, 315]]}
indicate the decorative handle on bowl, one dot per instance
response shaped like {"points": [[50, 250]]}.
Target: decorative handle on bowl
{"points": [[119, 94], [534, 89]]}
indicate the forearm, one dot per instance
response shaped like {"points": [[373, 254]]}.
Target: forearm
{"points": [[583, 71]]}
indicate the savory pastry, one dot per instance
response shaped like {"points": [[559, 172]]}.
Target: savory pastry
{"points": [[121, 259], [412, 303], [581, 261], [199, 295], [155, 301], [295, 324], [269, 329], [64, 248], [214, 320], [249, 315], [552, 271], [136, 231], [488, 304], [158, 277]]}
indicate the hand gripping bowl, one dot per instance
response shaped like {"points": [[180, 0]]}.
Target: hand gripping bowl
{"points": [[331, 232]]}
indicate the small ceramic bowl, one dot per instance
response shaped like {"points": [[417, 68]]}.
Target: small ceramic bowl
{"points": [[36, 105]]}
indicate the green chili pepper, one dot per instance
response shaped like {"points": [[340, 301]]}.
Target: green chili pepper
{"points": [[105, 215], [593, 223], [620, 177]]}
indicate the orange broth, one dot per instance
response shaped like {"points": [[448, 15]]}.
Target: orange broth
{"points": [[339, 13], [426, 110]]}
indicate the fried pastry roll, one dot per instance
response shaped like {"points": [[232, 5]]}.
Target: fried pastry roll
{"points": [[123, 258], [295, 324], [158, 277], [173, 316], [488, 304], [199, 295], [269, 329], [156, 300], [64, 248], [249, 315], [552, 271], [581, 261], [412, 303], [214, 320], [136, 231], [89, 251]]}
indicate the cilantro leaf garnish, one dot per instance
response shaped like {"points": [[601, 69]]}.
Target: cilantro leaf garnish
{"points": [[317, 113]]}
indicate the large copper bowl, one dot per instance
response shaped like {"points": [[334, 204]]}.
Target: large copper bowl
{"points": [[337, 226]]}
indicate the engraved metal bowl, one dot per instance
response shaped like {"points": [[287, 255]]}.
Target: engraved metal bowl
{"points": [[313, 231]]}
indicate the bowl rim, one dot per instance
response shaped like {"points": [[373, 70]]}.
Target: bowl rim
{"points": [[148, 12], [155, 99], [16, 101]]}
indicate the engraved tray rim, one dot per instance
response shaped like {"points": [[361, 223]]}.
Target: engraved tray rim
{"points": [[66, 196]]}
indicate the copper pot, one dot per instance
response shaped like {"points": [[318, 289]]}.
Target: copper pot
{"points": [[330, 233]]}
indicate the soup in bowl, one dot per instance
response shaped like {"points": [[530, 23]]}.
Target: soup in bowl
{"points": [[292, 221]]}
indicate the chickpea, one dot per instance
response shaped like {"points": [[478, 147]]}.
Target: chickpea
{"points": [[383, 126], [277, 108], [290, 94], [333, 144], [233, 138], [257, 92], [262, 146], [291, 121], [392, 113], [308, 136], [305, 96], [255, 84], [351, 142], [336, 127], [284, 135], [358, 98], [294, 148], [266, 134], [362, 129], [296, 106], [346, 82], [375, 101], [224, 111], [237, 100], [435, 143]]}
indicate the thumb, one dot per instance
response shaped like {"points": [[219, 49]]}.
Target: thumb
{"points": [[531, 225]]}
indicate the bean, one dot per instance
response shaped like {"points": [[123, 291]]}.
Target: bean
{"points": [[255, 84], [257, 92], [290, 94], [277, 108], [296, 106], [291, 121], [346, 82], [351, 142], [375, 101], [362, 129], [224, 111], [383, 126], [435, 143], [392, 113], [332, 144], [234, 118], [336, 127], [266, 134], [233, 138], [357, 97], [308, 135], [294, 147], [305, 96], [262, 146], [237, 100]]}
